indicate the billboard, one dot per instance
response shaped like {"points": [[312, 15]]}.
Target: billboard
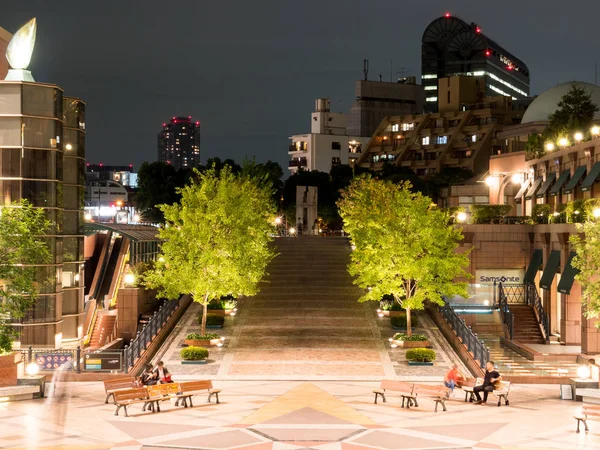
{"points": [[54, 361], [103, 362]]}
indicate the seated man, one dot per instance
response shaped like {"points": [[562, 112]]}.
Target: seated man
{"points": [[491, 376]]}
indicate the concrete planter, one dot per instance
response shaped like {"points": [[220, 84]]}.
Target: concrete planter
{"points": [[220, 312], [9, 369], [392, 313], [412, 344], [190, 362], [420, 363], [201, 342], [214, 327]]}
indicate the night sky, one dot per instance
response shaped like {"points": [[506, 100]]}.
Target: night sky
{"points": [[250, 71]]}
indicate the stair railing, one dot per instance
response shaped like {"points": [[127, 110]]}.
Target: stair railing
{"points": [[533, 299], [467, 336], [507, 316]]}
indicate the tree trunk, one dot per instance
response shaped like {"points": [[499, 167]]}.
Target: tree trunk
{"points": [[408, 323], [204, 313]]}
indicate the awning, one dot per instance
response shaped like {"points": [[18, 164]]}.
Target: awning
{"points": [[577, 175], [534, 266], [568, 276], [549, 180], [591, 178], [550, 269], [534, 187], [523, 189], [562, 179]]}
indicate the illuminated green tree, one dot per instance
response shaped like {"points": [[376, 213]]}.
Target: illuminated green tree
{"points": [[216, 239], [404, 245], [587, 261], [21, 247]]}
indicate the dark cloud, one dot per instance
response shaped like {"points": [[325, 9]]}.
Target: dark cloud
{"points": [[249, 71]]}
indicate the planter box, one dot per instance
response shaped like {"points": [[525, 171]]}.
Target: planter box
{"points": [[201, 342], [392, 313], [220, 312], [420, 363], [8, 369], [186, 362], [412, 344], [214, 327]]}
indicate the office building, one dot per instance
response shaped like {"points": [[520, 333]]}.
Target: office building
{"points": [[451, 46], [179, 143], [376, 100], [327, 144], [42, 159]]}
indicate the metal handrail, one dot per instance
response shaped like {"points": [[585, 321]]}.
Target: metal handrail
{"points": [[508, 317], [533, 299], [143, 339], [465, 333]]}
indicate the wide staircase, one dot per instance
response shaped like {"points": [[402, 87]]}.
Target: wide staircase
{"points": [[104, 328], [306, 322], [526, 326]]}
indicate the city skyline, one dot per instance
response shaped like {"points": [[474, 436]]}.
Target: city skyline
{"points": [[254, 77]]}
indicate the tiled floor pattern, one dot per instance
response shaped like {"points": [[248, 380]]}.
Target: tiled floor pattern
{"points": [[285, 415], [306, 324]]}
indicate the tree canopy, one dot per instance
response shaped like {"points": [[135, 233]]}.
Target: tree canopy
{"points": [[22, 245], [404, 245], [587, 261], [216, 239]]}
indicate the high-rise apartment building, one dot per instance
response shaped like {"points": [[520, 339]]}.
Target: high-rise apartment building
{"points": [[451, 46], [179, 142]]}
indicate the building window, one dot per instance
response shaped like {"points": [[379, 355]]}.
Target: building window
{"points": [[425, 140], [441, 140], [336, 146], [448, 93], [474, 138], [408, 126], [336, 161], [375, 158], [395, 127]]}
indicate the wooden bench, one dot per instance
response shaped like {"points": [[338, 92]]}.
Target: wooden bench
{"points": [[117, 384], [501, 390], [158, 393], [404, 389], [588, 412], [127, 397], [187, 389], [438, 393]]}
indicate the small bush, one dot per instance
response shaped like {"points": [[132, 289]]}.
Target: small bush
{"points": [[414, 337], [212, 320], [420, 355], [194, 353], [489, 213], [200, 337], [216, 305], [400, 321]]}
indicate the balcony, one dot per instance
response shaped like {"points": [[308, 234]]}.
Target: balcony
{"points": [[292, 148], [297, 162]]}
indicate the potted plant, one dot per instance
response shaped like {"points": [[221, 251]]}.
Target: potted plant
{"points": [[420, 357], [399, 322], [199, 340], [223, 307], [194, 355], [403, 340], [212, 321]]}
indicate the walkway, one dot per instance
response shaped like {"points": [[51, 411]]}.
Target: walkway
{"points": [[286, 415]]}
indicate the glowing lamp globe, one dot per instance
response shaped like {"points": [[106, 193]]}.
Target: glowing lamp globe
{"points": [[578, 136], [461, 216], [19, 51], [550, 146], [595, 130], [32, 369], [563, 142], [129, 279], [596, 213], [583, 372]]}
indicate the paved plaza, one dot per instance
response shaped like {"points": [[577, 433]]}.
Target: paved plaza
{"points": [[286, 415]]}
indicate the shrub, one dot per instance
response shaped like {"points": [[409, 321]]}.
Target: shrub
{"points": [[414, 337], [194, 353], [200, 337], [400, 321], [420, 355], [229, 303], [223, 303], [489, 213], [216, 305], [541, 213], [212, 319]]}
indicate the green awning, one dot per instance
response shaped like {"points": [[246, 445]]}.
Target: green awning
{"points": [[591, 178], [550, 269], [549, 180], [534, 187], [577, 175], [562, 179], [534, 266], [568, 276], [523, 189]]}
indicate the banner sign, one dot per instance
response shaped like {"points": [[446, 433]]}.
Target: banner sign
{"points": [[103, 362], [54, 361], [488, 276]]}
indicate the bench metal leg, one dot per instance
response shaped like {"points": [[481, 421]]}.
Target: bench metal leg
{"points": [[125, 408], [190, 399], [119, 407], [216, 394], [107, 397], [584, 424], [377, 394]]}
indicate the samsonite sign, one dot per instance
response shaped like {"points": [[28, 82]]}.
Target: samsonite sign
{"points": [[489, 276]]}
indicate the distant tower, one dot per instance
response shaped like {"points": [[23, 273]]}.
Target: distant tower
{"points": [[179, 142]]}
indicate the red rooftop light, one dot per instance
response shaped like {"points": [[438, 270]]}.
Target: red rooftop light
{"points": [[488, 53], [100, 164], [478, 30], [447, 15], [164, 124], [197, 123], [130, 165]]}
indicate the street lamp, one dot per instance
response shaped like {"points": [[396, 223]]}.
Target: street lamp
{"points": [[491, 181], [517, 178], [578, 136], [292, 230], [461, 216], [278, 220], [563, 142], [595, 130], [550, 146], [596, 213]]}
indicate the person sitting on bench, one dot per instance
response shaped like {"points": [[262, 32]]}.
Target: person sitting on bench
{"points": [[451, 379], [491, 376], [148, 378], [162, 374]]}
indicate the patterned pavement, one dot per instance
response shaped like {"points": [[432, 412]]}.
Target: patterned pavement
{"points": [[284, 415]]}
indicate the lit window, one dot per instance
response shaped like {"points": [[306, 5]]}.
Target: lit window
{"points": [[431, 88], [408, 126], [426, 140], [474, 138], [395, 127], [429, 76], [431, 99], [441, 140]]}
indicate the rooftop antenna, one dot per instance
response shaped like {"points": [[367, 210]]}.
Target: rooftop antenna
{"points": [[380, 77], [596, 74], [401, 72], [391, 71], [366, 68]]}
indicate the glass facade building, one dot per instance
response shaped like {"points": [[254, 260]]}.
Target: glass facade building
{"points": [[451, 46], [179, 143], [42, 159]]}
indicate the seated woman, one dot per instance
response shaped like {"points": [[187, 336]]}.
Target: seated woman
{"points": [[162, 374], [148, 378]]}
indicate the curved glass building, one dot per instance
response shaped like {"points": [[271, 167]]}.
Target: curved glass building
{"points": [[451, 46]]}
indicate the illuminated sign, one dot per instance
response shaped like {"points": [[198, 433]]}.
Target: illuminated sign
{"points": [[490, 276], [103, 362], [508, 62]]}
